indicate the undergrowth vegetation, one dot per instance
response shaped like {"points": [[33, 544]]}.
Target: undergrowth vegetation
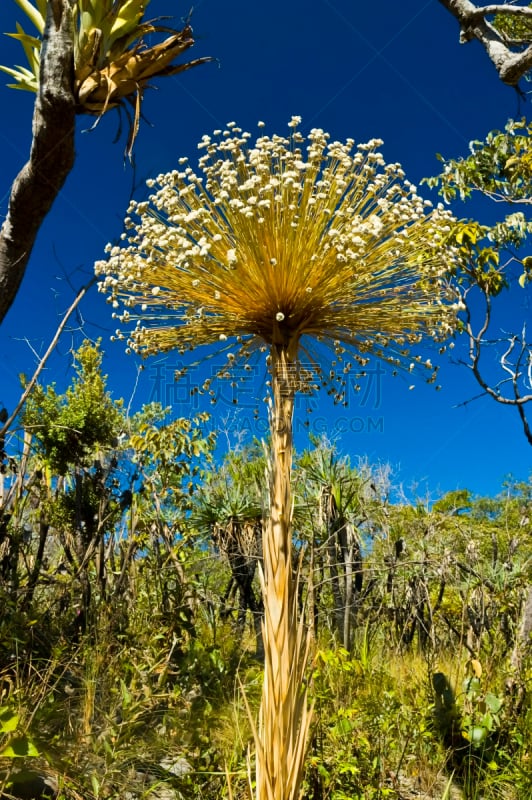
{"points": [[130, 642]]}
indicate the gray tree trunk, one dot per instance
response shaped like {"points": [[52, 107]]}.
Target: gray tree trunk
{"points": [[52, 152]]}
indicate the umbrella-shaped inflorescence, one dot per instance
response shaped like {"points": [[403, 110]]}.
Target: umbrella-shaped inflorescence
{"points": [[318, 252], [280, 241]]}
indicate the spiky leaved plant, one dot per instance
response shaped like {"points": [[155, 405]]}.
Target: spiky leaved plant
{"points": [[112, 62], [292, 250]]}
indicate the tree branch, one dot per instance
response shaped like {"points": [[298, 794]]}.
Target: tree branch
{"points": [[510, 65], [502, 8], [52, 152], [515, 371], [42, 363]]}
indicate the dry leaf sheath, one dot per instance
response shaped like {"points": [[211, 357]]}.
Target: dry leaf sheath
{"points": [[291, 245]]}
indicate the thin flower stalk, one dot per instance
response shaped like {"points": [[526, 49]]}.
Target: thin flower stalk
{"points": [[319, 253], [282, 734]]}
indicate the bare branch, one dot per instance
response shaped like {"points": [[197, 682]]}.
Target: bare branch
{"points": [[501, 198], [502, 8], [52, 152], [515, 361]]}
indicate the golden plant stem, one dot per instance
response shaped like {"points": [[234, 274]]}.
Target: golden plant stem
{"points": [[284, 718]]}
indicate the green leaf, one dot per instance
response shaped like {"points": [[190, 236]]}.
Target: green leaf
{"points": [[24, 77], [126, 694], [343, 727], [21, 747], [32, 13], [95, 786], [472, 687], [475, 734], [127, 19], [527, 274], [8, 720], [493, 703]]}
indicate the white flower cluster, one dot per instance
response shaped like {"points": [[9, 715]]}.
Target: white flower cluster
{"points": [[306, 236]]}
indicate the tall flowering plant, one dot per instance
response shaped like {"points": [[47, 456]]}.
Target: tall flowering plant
{"points": [[318, 252]]}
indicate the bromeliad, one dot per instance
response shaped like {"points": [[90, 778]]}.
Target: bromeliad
{"points": [[112, 61]]}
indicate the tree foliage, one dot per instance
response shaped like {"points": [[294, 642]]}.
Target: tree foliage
{"points": [[493, 258], [69, 428], [499, 167], [515, 26], [96, 486]]}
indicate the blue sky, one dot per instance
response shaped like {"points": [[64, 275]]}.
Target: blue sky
{"points": [[391, 70]]}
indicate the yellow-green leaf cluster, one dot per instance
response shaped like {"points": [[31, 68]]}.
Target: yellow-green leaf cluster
{"points": [[500, 167], [517, 28]]}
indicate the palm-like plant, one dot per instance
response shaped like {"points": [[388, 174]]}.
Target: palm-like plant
{"points": [[228, 509], [112, 62], [342, 501], [292, 251]]}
